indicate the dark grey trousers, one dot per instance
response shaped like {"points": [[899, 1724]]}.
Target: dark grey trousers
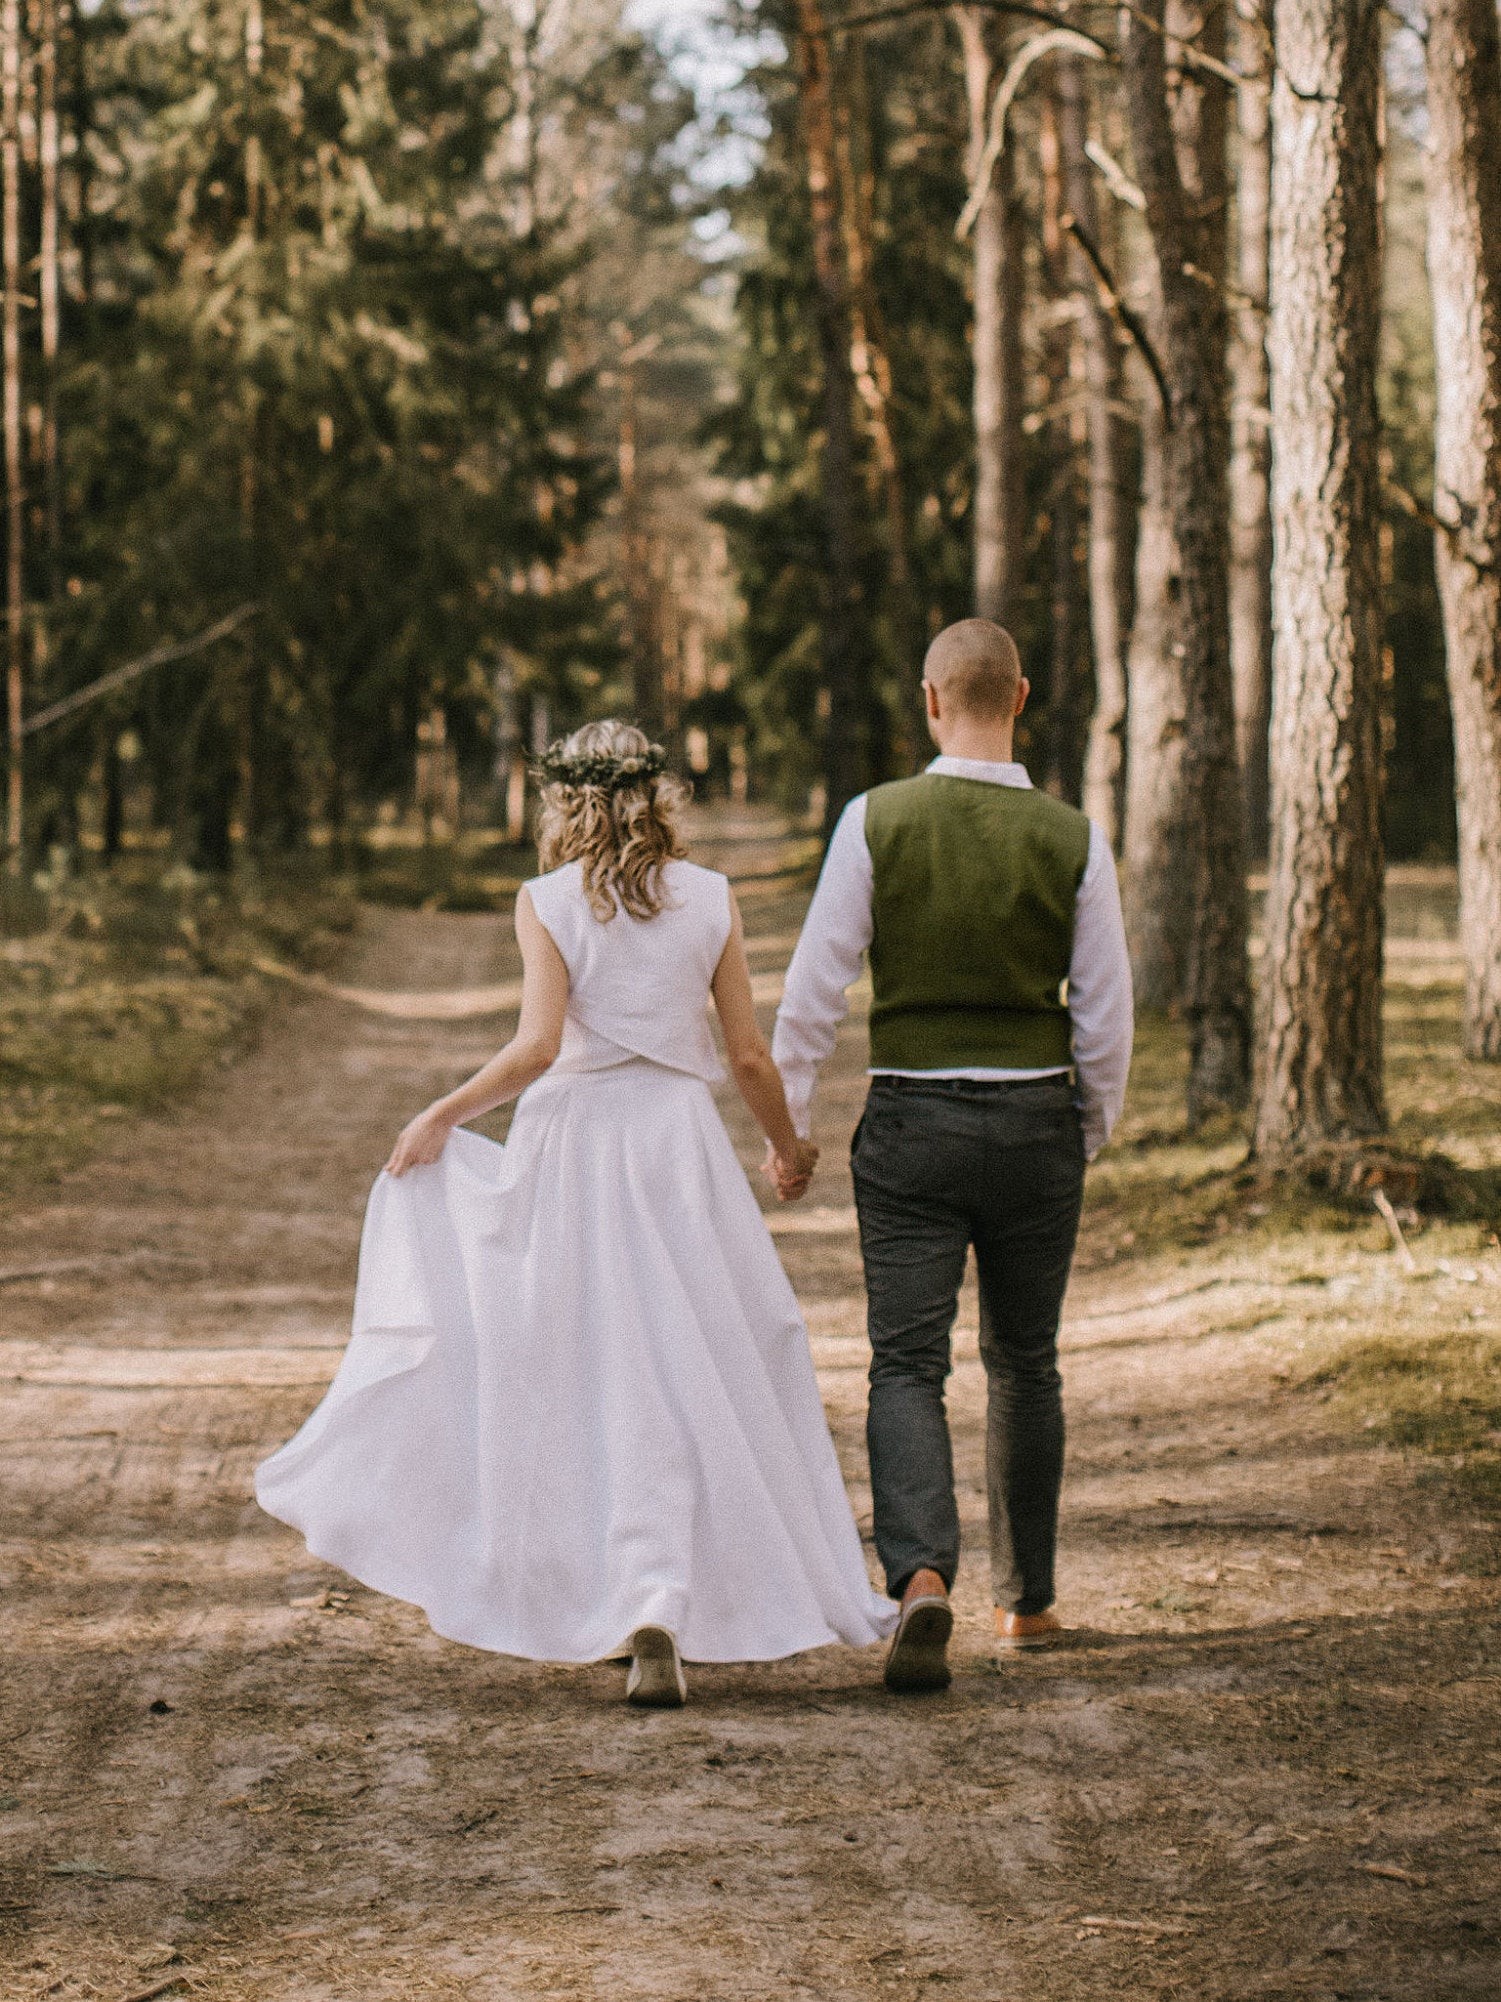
{"points": [[939, 1166]]}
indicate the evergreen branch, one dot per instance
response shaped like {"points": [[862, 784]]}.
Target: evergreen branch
{"points": [[133, 669]]}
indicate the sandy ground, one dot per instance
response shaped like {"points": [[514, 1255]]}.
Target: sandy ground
{"points": [[1267, 1767]]}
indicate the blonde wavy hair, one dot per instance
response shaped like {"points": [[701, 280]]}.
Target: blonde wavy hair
{"points": [[619, 824]]}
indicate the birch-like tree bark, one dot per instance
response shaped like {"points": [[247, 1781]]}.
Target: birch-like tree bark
{"points": [[1319, 1070], [1464, 269], [999, 288], [1109, 538], [1186, 222], [1250, 443]]}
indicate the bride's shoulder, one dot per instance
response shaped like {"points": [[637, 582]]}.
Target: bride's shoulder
{"points": [[683, 871], [691, 881], [553, 893], [555, 879]]}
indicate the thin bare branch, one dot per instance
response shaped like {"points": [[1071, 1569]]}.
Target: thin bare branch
{"points": [[1053, 41], [133, 669], [1115, 176], [1230, 293], [907, 10], [1418, 509], [1187, 54], [1133, 323]]}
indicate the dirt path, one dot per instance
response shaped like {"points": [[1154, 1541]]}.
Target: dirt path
{"points": [[1271, 1770]]}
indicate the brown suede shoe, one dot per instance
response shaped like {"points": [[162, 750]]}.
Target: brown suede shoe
{"points": [[918, 1660], [1018, 1630]]}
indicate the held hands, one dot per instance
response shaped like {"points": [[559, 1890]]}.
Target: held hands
{"points": [[420, 1141], [790, 1173]]}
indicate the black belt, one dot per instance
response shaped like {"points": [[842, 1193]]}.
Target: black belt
{"points": [[965, 1087]]}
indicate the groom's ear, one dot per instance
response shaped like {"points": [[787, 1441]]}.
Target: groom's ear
{"points": [[930, 696], [1023, 690]]}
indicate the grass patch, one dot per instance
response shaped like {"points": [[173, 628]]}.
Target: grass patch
{"points": [[1441, 1393], [118, 991], [1438, 1394], [1162, 1186]]}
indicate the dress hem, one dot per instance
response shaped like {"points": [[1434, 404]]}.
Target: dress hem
{"points": [[619, 1651]]}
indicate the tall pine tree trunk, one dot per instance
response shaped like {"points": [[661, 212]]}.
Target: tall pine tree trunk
{"points": [[1185, 219], [1109, 540], [1250, 442], [10, 396], [1464, 267], [999, 285], [49, 150], [1068, 691], [870, 361], [252, 802], [647, 690], [844, 749], [1157, 876], [1319, 1074], [80, 120]]}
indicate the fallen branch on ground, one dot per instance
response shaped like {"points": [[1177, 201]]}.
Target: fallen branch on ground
{"points": [[1389, 1217]]}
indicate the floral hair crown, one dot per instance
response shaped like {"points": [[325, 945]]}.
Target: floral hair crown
{"points": [[600, 768]]}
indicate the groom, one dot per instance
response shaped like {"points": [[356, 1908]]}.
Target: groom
{"points": [[1000, 1036]]}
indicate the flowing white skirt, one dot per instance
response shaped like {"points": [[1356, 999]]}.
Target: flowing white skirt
{"points": [[579, 1398]]}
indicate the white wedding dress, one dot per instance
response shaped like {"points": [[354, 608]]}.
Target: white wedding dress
{"points": [[579, 1397]]}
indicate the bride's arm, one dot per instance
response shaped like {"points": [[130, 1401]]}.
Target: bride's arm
{"points": [[544, 999], [760, 1082]]}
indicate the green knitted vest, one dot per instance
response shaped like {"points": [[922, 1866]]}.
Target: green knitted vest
{"points": [[973, 905]]}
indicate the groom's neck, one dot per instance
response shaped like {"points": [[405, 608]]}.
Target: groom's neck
{"points": [[984, 743]]}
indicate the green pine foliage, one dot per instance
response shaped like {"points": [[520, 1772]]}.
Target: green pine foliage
{"points": [[323, 352], [768, 436]]}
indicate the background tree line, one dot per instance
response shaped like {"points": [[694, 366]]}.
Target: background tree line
{"points": [[362, 320], [424, 377], [1098, 299]]}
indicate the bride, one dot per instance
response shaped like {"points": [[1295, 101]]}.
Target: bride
{"points": [[578, 1417]]}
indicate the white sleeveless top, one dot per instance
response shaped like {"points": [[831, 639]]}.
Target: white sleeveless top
{"points": [[638, 987]]}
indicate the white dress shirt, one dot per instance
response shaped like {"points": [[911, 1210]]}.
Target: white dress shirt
{"points": [[839, 927]]}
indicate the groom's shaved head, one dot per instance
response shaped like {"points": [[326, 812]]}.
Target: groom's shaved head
{"points": [[975, 667]]}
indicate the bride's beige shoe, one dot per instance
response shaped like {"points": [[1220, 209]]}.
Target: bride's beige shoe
{"points": [[655, 1680]]}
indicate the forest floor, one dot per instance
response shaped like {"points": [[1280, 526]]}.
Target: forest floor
{"points": [[1267, 1765]]}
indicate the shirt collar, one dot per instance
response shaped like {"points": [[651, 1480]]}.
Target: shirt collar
{"points": [[1007, 774]]}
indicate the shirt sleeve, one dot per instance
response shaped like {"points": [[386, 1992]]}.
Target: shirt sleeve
{"points": [[834, 937], [1099, 996]]}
